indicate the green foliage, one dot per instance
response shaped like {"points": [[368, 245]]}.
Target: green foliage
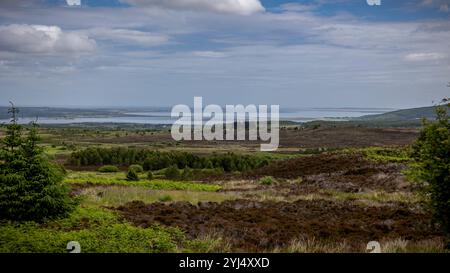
{"points": [[108, 169], [137, 168], [172, 172], [165, 198], [30, 186], [97, 231], [120, 180], [267, 180], [113, 196], [386, 154], [132, 175], [187, 174], [313, 151], [149, 175], [156, 160], [431, 166]]}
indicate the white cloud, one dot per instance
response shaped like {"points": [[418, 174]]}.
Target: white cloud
{"points": [[73, 2], [41, 39], [305, 55], [444, 8], [129, 36], [209, 54], [414, 57], [20, 3], [296, 7], [241, 7]]}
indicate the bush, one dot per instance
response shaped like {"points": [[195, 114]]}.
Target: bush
{"points": [[431, 166], [137, 168], [188, 174], [132, 175], [165, 198], [150, 175], [31, 187], [267, 180], [172, 172], [385, 154], [108, 169]]}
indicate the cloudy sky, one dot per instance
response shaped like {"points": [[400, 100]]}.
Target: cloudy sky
{"points": [[305, 53]]}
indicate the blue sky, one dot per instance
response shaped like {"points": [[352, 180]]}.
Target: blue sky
{"points": [[312, 53]]}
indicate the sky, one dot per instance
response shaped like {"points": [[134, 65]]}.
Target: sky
{"points": [[305, 53]]}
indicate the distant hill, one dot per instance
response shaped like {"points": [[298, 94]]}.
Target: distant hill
{"points": [[411, 118], [412, 114]]}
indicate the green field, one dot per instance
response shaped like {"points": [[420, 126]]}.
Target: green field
{"points": [[119, 179]]}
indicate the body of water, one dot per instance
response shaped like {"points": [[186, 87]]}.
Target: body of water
{"points": [[163, 117]]}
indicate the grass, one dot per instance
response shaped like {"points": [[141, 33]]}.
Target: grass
{"points": [[375, 196], [97, 230], [108, 169], [56, 150], [311, 245], [267, 180], [399, 245], [386, 154], [165, 198], [383, 154], [119, 195], [120, 179]]}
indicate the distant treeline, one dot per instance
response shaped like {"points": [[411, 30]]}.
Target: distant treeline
{"points": [[156, 160]]}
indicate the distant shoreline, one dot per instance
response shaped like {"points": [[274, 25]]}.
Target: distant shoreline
{"points": [[161, 115]]}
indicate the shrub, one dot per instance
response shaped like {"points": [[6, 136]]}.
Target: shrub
{"points": [[172, 172], [165, 198], [385, 154], [108, 169], [30, 186], [187, 174], [431, 166], [137, 168], [150, 175], [132, 175], [267, 180]]}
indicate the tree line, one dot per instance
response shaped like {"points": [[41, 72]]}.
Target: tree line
{"points": [[157, 160]]}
